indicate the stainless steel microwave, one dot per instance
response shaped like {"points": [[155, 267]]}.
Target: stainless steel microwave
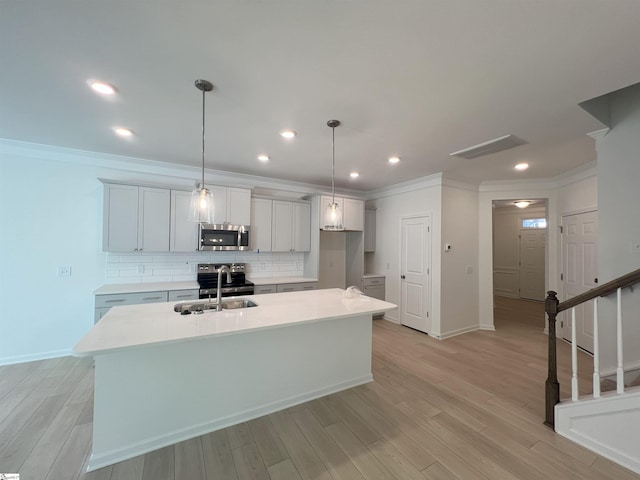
{"points": [[224, 237]]}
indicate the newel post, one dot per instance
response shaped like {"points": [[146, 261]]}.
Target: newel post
{"points": [[552, 387]]}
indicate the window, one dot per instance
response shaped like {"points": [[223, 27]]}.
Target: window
{"points": [[534, 223]]}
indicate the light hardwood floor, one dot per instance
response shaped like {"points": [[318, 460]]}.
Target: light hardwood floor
{"points": [[470, 407]]}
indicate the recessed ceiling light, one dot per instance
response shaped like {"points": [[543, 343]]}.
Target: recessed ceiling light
{"points": [[354, 174], [522, 166], [394, 159], [103, 88], [287, 133], [123, 131], [522, 203], [263, 158]]}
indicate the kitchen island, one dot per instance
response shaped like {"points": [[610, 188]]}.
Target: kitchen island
{"points": [[162, 377]]}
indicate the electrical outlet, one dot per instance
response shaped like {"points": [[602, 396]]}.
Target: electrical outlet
{"points": [[469, 270], [635, 246], [64, 271], [140, 269]]}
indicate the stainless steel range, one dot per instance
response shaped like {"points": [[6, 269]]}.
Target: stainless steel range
{"points": [[208, 280]]}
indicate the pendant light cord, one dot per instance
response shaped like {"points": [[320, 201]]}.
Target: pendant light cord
{"points": [[333, 165], [203, 94]]}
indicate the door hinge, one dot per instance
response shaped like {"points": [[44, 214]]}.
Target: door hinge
{"points": [[561, 323], [428, 229], [561, 229], [427, 314], [427, 271], [562, 276]]}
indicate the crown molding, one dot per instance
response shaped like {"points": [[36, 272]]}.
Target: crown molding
{"points": [[137, 165], [429, 181]]}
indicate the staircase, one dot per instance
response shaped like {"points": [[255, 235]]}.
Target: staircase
{"points": [[606, 421]]}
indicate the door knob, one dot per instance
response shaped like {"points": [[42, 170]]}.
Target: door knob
{"points": [[595, 280], [402, 277]]}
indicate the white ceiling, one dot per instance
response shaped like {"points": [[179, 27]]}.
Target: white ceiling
{"points": [[418, 79]]}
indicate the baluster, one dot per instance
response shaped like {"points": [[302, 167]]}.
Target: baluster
{"points": [[596, 351], [574, 357], [620, 370]]}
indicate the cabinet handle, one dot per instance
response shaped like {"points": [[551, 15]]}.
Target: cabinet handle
{"points": [[115, 300], [151, 298], [183, 296]]}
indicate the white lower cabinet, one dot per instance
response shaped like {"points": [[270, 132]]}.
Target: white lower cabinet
{"points": [[182, 295], [260, 289], [105, 302], [374, 287], [297, 287]]}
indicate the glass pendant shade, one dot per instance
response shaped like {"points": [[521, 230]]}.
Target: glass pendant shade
{"points": [[333, 217], [201, 208]]}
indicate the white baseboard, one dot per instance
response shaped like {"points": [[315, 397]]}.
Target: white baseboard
{"points": [[139, 448], [32, 357], [460, 331]]}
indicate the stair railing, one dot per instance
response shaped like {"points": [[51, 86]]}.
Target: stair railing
{"points": [[552, 308]]}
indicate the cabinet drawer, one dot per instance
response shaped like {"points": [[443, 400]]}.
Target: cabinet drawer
{"points": [[130, 299], [180, 295], [260, 289], [297, 287], [373, 281]]}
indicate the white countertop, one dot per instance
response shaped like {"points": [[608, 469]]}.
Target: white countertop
{"points": [[372, 275], [140, 325], [279, 280], [145, 287]]}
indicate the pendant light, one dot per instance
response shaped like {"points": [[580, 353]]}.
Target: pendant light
{"points": [[333, 212], [201, 208]]}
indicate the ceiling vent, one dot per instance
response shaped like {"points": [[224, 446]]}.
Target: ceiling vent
{"points": [[492, 146]]}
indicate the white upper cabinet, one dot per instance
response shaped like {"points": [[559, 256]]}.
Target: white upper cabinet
{"points": [[291, 226], [239, 206], [301, 227], [369, 230], [231, 205], [184, 232], [352, 212], [260, 233], [135, 219]]}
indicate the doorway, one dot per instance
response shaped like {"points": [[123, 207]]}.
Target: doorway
{"points": [[519, 249], [579, 273], [415, 269]]}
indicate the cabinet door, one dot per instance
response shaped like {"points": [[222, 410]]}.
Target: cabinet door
{"points": [[260, 232], [183, 232], [369, 230], [219, 203], [353, 214], [301, 227], [282, 226], [154, 210], [120, 228], [239, 206], [374, 291]]}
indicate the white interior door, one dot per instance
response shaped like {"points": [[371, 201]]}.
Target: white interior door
{"points": [[532, 242], [580, 271], [414, 273]]}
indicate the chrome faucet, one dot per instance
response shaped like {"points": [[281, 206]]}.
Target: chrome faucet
{"points": [[223, 268]]}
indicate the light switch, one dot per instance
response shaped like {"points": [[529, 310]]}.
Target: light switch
{"points": [[64, 271], [635, 246]]}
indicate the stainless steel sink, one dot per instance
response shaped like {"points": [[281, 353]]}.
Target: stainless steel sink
{"points": [[187, 308], [239, 303]]}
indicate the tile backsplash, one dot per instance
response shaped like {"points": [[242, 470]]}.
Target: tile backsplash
{"points": [[145, 267]]}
